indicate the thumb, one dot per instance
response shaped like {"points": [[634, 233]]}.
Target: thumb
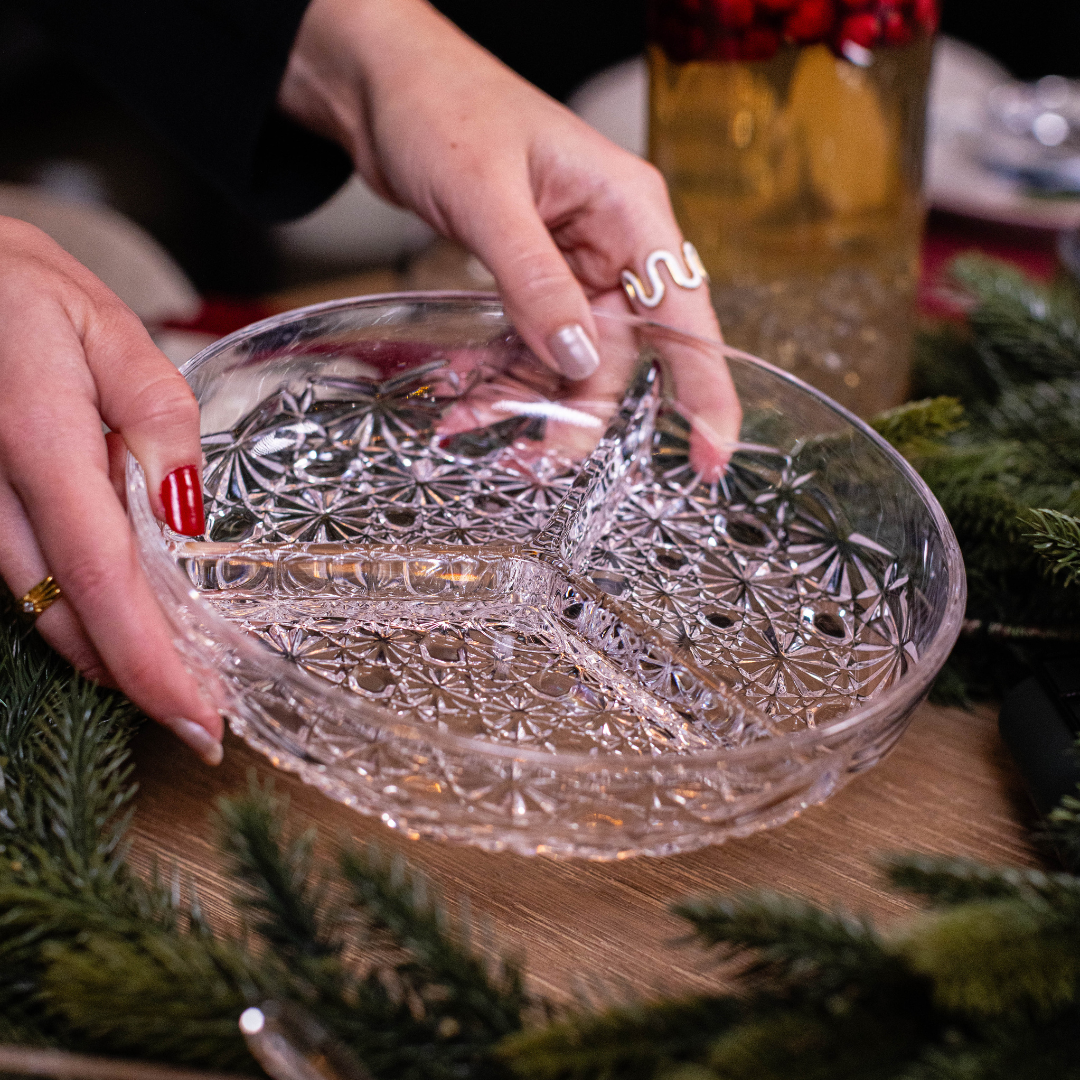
{"points": [[148, 402], [543, 299]]}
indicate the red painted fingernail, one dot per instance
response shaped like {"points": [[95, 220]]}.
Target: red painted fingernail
{"points": [[181, 492]]}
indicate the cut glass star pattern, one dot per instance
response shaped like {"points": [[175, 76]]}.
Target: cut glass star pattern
{"points": [[751, 579]]}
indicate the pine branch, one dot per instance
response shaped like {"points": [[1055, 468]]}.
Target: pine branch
{"points": [[1016, 369], [39, 911], [946, 363], [1044, 415], [950, 687], [279, 874], [857, 1042], [1000, 957], [29, 674], [1056, 537], [398, 902], [635, 1042], [946, 882], [83, 784], [64, 808], [794, 942], [436, 1012], [1023, 331], [63, 804], [1063, 827], [918, 427], [69, 816], [158, 995], [1013, 1048], [986, 490]]}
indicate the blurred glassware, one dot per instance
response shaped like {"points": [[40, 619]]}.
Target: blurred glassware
{"points": [[1032, 133], [961, 174], [616, 104], [791, 136]]}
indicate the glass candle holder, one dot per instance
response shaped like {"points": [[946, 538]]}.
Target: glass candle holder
{"points": [[790, 133]]}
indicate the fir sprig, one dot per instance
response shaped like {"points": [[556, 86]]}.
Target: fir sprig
{"points": [[29, 675], [157, 994], [1022, 331], [792, 940], [484, 997], [1056, 537], [282, 889], [1015, 369], [945, 882], [92, 957], [917, 428], [429, 1006], [1063, 827], [629, 1042], [1001, 957]]}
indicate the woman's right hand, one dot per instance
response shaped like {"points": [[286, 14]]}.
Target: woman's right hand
{"points": [[554, 210], [73, 356]]}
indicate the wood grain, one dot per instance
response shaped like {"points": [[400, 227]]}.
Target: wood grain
{"points": [[947, 788]]}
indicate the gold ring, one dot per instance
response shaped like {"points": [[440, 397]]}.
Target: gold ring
{"points": [[43, 595]]}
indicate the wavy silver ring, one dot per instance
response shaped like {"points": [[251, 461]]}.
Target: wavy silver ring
{"points": [[696, 276]]}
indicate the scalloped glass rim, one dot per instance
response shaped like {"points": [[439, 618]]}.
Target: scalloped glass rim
{"points": [[905, 693]]}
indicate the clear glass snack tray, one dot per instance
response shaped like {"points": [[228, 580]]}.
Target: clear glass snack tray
{"points": [[491, 607]]}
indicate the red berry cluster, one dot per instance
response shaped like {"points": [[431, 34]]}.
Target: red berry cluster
{"points": [[754, 29]]}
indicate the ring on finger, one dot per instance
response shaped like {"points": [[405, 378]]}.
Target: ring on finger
{"points": [[684, 278], [41, 597]]}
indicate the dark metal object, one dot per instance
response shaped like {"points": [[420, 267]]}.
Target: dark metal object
{"points": [[1040, 723]]}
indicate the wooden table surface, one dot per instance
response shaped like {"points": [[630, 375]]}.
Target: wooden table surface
{"points": [[949, 787]]}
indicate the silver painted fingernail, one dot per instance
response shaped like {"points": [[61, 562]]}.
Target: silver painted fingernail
{"points": [[198, 738], [572, 350]]}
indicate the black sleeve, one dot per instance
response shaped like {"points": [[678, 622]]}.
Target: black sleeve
{"points": [[204, 76], [556, 44], [1040, 38]]}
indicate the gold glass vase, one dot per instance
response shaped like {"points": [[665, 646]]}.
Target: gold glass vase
{"points": [[790, 133]]}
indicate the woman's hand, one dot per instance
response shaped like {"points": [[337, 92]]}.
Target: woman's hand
{"points": [[554, 210], [71, 357]]}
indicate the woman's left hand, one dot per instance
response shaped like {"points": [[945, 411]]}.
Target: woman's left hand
{"points": [[552, 208]]}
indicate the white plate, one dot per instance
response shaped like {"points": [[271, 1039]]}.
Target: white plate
{"points": [[955, 180]]}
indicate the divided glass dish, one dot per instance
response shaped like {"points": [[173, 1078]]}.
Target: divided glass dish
{"points": [[488, 606]]}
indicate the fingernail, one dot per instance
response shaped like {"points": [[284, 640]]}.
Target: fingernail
{"points": [[198, 738], [181, 492], [572, 350]]}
